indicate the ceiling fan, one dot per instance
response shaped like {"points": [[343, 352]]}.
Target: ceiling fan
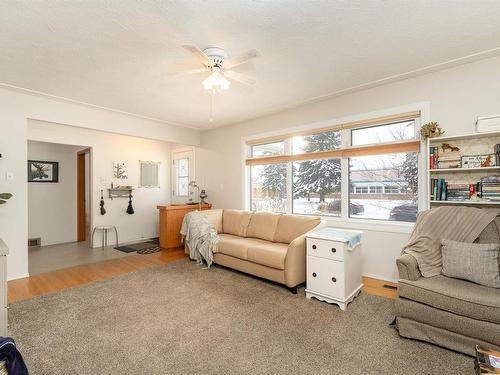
{"points": [[215, 61]]}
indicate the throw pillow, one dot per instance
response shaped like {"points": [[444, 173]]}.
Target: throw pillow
{"points": [[470, 261]]}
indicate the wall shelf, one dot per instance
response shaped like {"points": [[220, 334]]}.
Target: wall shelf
{"points": [[469, 145], [467, 203], [462, 170], [119, 192]]}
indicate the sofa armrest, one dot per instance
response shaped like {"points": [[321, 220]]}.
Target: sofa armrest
{"points": [[295, 260], [408, 267]]}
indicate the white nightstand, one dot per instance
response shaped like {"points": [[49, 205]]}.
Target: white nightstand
{"points": [[333, 265]]}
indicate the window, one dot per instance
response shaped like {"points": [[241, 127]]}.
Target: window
{"points": [[375, 189], [391, 190], [316, 187], [383, 133], [361, 189], [268, 187], [397, 175], [322, 141], [303, 173], [268, 149], [182, 172]]}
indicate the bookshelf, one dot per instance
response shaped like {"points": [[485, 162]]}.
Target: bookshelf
{"points": [[447, 165]]}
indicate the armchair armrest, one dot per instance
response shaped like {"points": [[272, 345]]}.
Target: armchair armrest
{"points": [[408, 267]]}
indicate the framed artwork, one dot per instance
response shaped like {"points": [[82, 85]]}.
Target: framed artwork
{"points": [[478, 161], [120, 170], [43, 171]]}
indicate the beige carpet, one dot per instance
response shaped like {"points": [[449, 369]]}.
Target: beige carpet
{"points": [[181, 319]]}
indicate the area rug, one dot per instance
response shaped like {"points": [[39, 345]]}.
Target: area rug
{"points": [[147, 247], [183, 319]]}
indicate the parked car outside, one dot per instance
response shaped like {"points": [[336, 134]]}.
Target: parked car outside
{"points": [[354, 208], [404, 212]]}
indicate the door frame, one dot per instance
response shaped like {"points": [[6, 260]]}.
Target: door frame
{"points": [[81, 189]]}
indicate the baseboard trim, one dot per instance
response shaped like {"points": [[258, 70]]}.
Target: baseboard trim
{"points": [[378, 277], [21, 276]]}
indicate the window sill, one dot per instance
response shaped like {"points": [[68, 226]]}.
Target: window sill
{"points": [[372, 225]]}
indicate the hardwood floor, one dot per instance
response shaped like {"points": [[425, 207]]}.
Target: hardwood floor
{"points": [[49, 282]]}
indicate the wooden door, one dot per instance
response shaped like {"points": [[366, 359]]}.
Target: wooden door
{"points": [[80, 192]]}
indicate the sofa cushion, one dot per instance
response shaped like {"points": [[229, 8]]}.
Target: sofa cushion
{"points": [[236, 222], [292, 226], [236, 246], [268, 254], [263, 225], [471, 261], [215, 218], [454, 295]]}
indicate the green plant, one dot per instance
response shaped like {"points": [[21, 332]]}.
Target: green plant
{"points": [[4, 197]]}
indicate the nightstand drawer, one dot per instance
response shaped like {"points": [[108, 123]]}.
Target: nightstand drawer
{"points": [[326, 249], [325, 276]]}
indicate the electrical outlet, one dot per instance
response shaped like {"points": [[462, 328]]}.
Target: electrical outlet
{"points": [[9, 176]]}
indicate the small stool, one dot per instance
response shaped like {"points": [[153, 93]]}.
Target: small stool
{"points": [[104, 229]]}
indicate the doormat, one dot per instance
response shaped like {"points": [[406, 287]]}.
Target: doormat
{"points": [[141, 247]]}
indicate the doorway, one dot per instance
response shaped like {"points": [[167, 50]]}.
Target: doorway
{"points": [[83, 195]]}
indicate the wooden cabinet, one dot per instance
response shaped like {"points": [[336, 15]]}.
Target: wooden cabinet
{"points": [[171, 220]]}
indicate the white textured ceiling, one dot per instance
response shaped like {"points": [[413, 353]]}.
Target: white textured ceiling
{"points": [[118, 53]]}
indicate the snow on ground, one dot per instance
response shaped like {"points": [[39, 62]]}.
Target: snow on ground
{"points": [[378, 209]]}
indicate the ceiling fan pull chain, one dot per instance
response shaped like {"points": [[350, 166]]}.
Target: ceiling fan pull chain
{"points": [[211, 118]]}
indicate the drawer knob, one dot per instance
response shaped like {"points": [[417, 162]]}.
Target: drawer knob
{"points": [[334, 279], [314, 247], [314, 274], [334, 250]]}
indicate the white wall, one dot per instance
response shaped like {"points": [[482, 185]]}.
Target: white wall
{"points": [[15, 110], [106, 148], [456, 97], [52, 206]]}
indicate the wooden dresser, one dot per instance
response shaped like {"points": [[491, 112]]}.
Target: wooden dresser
{"points": [[171, 220]]}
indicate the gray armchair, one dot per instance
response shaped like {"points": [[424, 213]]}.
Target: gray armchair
{"points": [[452, 313]]}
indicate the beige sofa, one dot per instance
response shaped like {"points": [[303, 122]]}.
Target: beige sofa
{"points": [[267, 245]]}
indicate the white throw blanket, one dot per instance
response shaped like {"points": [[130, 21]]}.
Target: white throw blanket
{"points": [[200, 237]]}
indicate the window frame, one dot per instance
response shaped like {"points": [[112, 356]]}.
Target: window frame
{"points": [[361, 121]]}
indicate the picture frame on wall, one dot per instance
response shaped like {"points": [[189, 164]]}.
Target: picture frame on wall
{"points": [[43, 171]]}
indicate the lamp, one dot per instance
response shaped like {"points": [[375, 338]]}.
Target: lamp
{"points": [[216, 81], [193, 184]]}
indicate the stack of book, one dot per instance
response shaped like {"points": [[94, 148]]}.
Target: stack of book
{"points": [[433, 157], [449, 159], [459, 192], [490, 188], [438, 189]]}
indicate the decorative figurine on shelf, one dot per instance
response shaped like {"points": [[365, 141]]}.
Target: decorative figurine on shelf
{"points": [[431, 130], [203, 196], [101, 204], [130, 209], [447, 146], [488, 162]]}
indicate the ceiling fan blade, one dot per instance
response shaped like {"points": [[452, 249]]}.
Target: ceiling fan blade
{"points": [[242, 78], [241, 59], [198, 53], [189, 71]]}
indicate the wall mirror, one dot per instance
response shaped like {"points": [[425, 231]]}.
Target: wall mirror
{"points": [[149, 174]]}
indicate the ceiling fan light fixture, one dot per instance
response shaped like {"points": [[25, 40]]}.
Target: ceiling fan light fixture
{"points": [[216, 82]]}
